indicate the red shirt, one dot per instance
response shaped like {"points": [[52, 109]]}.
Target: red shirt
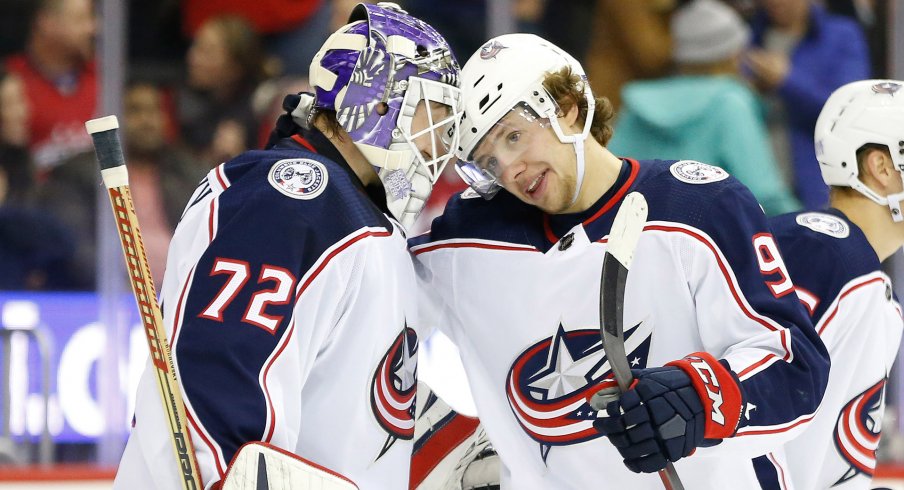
{"points": [[57, 119], [267, 16]]}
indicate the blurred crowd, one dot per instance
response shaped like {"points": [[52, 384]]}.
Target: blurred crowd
{"points": [[737, 83]]}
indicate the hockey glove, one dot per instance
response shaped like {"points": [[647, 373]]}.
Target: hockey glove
{"points": [[297, 108], [669, 411]]}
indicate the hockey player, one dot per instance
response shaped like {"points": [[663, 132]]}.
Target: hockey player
{"points": [[725, 355], [833, 257], [289, 288]]}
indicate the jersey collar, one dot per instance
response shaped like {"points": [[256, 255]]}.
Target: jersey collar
{"points": [[558, 224]]}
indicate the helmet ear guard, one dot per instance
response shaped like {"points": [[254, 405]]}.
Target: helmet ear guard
{"points": [[857, 114]]}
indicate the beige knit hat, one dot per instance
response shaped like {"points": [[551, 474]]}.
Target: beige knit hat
{"points": [[706, 31]]}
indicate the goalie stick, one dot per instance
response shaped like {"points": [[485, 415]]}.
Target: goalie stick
{"points": [[623, 237], [103, 132]]}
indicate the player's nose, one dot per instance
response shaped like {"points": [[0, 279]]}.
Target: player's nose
{"points": [[512, 170]]}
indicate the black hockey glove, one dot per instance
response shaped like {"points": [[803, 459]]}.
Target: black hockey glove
{"points": [[671, 410], [286, 124]]}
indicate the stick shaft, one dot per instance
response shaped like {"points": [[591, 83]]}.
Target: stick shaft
{"points": [[623, 236], [115, 176]]}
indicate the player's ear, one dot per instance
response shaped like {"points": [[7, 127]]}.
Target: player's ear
{"points": [[879, 168], [569, 114]]}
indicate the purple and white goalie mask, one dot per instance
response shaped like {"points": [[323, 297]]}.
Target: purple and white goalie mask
{"points": [[393, 83]]}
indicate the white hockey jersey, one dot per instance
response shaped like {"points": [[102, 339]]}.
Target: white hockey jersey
{"points": [[288, 301], [518, 291], [838, 278]]}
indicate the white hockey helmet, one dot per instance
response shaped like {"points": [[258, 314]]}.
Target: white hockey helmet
{"points": [[506, 72], [860, 113]]}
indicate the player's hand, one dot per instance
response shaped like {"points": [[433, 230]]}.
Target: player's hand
{"points": [[287, 124], [672, 410], [660, 419], [769, 69]]}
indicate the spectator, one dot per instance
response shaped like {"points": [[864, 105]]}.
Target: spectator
{"points": [[34, 247], [293, 30], [629, 40], [14, 158], [871, 15], [60, 78], [800, 55], [161, 179], [704, 112], [225, 66]]}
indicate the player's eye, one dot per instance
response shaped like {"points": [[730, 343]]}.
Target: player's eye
{"points": [[514, 136]]}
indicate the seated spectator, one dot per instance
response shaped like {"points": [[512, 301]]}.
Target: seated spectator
{"points": [[34, 248], [800, 55], [161, 178], [14, 114], [704, 112], [293, 30], [225, 66], [60, 78]]}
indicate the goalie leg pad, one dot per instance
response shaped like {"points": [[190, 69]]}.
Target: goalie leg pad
{"points": [[259, 465]]}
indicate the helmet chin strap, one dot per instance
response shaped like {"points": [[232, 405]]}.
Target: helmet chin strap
{"points": [[578, 144], [893, 201]]}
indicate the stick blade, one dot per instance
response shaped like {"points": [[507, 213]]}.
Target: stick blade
{"points": [[627, 227]]}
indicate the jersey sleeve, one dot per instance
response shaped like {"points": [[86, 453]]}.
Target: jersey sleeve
{"points": [[749, 316]]}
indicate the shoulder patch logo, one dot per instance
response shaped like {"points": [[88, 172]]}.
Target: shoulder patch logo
{"points": [[825, 224], [693, 172], [298, 178]]}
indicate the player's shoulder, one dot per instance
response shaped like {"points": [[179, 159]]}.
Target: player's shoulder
{"points": [[826, 239], [698, 177], [504, 218], [691, 192], [300, 187]]}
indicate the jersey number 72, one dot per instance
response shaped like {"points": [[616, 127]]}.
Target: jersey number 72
{"points": [[239, 271]]}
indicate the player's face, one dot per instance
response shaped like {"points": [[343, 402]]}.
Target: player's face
{"points": [[529, 161], [430, 129]]}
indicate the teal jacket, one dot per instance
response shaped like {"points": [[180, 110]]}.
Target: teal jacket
{"points": [[711, 119]]}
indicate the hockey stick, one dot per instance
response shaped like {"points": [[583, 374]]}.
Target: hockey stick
{"points": [[623, 237], [103, 131]]}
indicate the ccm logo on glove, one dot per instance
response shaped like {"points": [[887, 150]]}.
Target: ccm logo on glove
{"points": [[711, 385], [719, 390]]}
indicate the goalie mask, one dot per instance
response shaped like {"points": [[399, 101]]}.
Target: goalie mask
{"points": [[505, 77], [373, 73], [857, 114]]}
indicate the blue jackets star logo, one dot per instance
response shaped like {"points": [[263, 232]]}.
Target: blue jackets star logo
{"points": [[858, 429], [394, 387], [550, 383]]}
